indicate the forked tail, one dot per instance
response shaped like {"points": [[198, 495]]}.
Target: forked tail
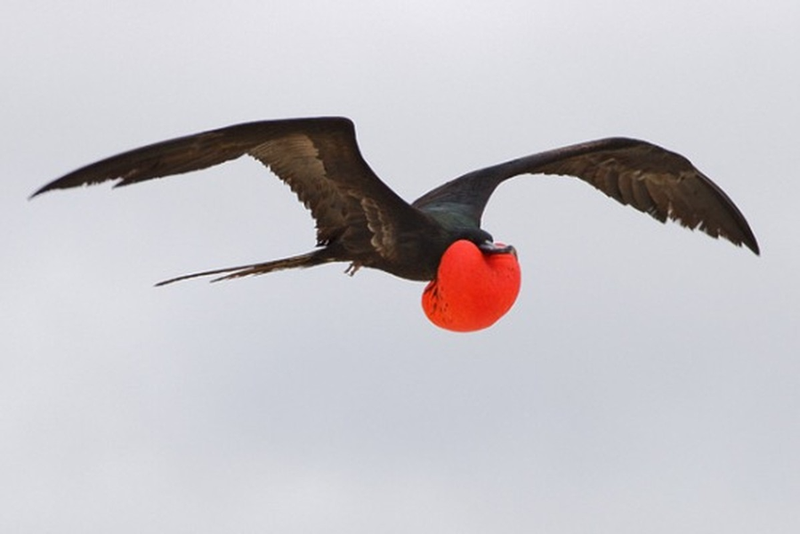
{"points": [[311, 259]]}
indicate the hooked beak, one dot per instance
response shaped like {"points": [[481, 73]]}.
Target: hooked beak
{"points": [[487, 247]]}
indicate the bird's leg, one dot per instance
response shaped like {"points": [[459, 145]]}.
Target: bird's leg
{"points": [[352, 268]]}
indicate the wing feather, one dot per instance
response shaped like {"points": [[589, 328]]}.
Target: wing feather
{"points": [[318, 158], [637, 173]]}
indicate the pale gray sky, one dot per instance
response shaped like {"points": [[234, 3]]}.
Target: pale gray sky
{"points": [[646, 381]]}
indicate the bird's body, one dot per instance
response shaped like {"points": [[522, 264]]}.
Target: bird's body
{"points": [[360, 220]]}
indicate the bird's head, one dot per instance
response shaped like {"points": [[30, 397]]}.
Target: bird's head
{"points": [[475, 285]]}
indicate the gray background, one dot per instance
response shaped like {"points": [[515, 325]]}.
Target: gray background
{"points": [[646, 381]]}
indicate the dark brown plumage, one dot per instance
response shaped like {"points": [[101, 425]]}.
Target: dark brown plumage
{"points": [[362, 221]]}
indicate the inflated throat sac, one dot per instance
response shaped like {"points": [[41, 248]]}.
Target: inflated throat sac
{"points": [[472, 289]]}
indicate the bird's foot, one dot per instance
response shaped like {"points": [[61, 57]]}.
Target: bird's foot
{"points": [[352, 268]]}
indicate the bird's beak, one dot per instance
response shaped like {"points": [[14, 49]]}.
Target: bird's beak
{"points": [[487, 247]]}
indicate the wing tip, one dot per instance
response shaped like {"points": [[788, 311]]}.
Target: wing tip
{"points": [[44, 189], [752, 244], [745, 241], [36, 193]]}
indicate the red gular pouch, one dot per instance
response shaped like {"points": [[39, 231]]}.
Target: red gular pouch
{"points": [[472, 288]]}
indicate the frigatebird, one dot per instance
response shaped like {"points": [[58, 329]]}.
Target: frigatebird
{"points": [[438, 237]]}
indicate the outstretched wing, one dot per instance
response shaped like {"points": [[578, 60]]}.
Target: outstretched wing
{"points": [[649, 178], [318, 158]]}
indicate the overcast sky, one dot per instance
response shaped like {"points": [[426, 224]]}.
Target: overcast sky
{"points": [[647, 380]]}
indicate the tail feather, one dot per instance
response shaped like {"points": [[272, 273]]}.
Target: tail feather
{"points": [[311, 259]]}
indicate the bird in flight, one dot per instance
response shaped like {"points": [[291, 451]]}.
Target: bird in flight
{"points": [[473, 281]]}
